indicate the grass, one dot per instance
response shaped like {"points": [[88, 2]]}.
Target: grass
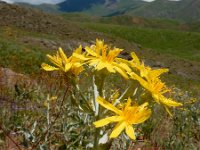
{"points": [[126, 20], [189, 85], [21, 58], [178, 43], [18, 56]]}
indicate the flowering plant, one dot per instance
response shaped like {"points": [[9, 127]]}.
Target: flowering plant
{"points": [[135, 104]]}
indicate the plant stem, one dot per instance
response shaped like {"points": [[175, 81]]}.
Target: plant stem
{"points": [[52, 123], [4, 131], [83, 97], [100, 92], [48, 116], [96, 138]]}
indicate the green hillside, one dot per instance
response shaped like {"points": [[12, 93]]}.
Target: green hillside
{"points": [[115, 8], [184, 10], [178, 43], [128, 20]]}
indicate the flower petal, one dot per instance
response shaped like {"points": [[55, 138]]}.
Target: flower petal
{"points": [[107, 120], [143, 106], [156, 98], [128, 103], [48, 67], [90, 51], [118, 129], [135, 58], [68, 66], [100, 66], [79, 56], [123, 73], [168, 111], [55, 60], [142, 116], [78, 50], [99, 43], [125, 67], [157, 72], [94, 62], [110, 67], [169, 101], [112, 54], [130, 132], [62, 55], [140, 80], [108, 105]]}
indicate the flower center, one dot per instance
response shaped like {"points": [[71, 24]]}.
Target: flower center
{"points": [[129, 114], [157, 86]]}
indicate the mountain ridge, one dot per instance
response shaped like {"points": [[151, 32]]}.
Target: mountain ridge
{"points": [[184, 10]]}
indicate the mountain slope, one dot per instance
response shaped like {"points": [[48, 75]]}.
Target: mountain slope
{"points": [[77, 5], [49, 8], [34, 20], [93, 7], [191, 11], [118, 8], [100, 7], [184, 10]]}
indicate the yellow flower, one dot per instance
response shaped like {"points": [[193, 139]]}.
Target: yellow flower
{"points": [[63, 63], [101, 56], [156, 87], [128, 116], [52, 99], [145, 71], [150, 79]]}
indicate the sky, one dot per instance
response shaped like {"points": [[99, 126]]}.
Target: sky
{"points": [[48, 1], [35, 1]]}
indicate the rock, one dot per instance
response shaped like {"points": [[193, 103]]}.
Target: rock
{"points": [[10, 79]]}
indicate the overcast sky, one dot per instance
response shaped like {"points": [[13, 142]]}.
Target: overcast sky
{"points": [[35, 1], [49, 1]]}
